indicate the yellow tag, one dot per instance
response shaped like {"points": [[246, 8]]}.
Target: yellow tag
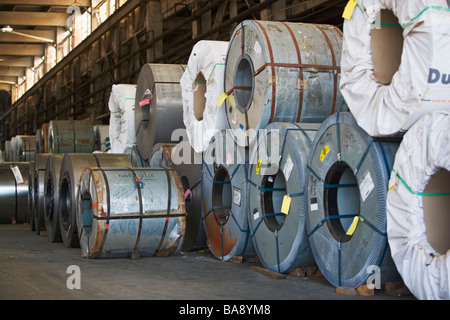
{"points": [[231, 100], [353, 226], [221, 99], [286, 204], [351, 4], [258, 164], [324, 152]]}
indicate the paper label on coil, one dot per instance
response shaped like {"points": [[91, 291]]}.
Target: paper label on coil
{"points": [[17, 174], [221, 99], [257, 49], [324, 152], [314, 206], [288, 168], [348, 11], [237, 196], [366, 186], [286, 204], [256, 215], [258, 165]]}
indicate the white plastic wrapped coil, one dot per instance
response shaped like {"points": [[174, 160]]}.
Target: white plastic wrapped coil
{"points": [[417, 207], [202, 85], [394, 64], [121, 122]]}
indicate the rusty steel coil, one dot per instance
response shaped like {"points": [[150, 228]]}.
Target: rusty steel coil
{"points": [[281, 72]]}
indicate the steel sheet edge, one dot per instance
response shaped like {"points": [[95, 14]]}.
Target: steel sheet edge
{"points": [[127, 211]]}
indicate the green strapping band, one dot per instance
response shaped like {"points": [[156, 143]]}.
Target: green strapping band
{"points": [[423, 194], [412, 20]]}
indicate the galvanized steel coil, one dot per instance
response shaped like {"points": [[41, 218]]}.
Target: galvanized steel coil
{"points": [[281, 72], [14, 193], [51, 196], [40, 164], [277, 218], [159, 106], [345, 200], [126, 211], [224, 193], [188, 164], [70, 136], [72, 166]]}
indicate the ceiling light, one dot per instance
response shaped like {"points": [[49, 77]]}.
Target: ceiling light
{"points": [[7, 29]]}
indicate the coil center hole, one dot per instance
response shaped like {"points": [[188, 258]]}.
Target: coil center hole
{"points": [[222, 195], [86, 211], [341, 200], [65, 202], [271, 200], [243, 84]]}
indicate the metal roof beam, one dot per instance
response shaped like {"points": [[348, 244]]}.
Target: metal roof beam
{"points": [[12, 71], [8, 49], [81, 3], [28, 36], [46, 19]]}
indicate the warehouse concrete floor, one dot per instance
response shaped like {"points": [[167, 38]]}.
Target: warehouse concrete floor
{"points": [[32, 268]]}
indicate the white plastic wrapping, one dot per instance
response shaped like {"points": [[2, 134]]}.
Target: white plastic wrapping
{"points": [[121, 122], [422, 81], [201, 115], [424, 150]]}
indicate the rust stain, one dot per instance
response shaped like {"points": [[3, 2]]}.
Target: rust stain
{"points": [[101, 224], [214, 235]]}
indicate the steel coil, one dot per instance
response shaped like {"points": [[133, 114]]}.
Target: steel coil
{"points": [[42, 139], [26, 147], [123, 211], [70, 136], [8, 151], [417, 207], [224, 193], [51, 196], [276, 176], [14, 193], [281, 72], [102, 140], [188, 164], [345, 199], [40, 164], [159, 106], [31, 203], [72, 166]]}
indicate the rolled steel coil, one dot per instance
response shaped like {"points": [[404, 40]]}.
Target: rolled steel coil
{"points": [[40, 164], [42, 139], [26, 145], [72, 166], [31, 201], [345, 200], [277, 218], [281, 72], [161, 155], [202, 85], [14, 193], [102, 141], [417, 208], [159, 106], [8, 151], [224, 193], [123, 211], [70, 136], [188, 164], [51, 196], [394, 63]]}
